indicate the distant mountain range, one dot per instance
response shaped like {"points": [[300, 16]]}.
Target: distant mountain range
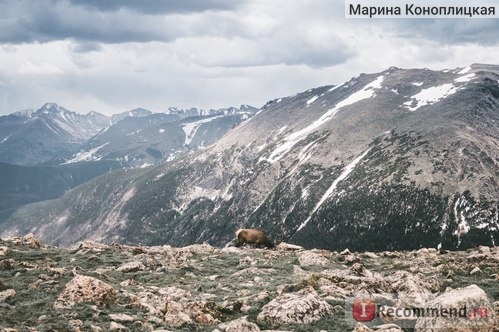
{"points": [[401, 159], [53, 135], [46, 152]]}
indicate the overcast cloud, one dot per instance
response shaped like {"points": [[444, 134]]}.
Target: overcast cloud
{"points": [[111, 56]]}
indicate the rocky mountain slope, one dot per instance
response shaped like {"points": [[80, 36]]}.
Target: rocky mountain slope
{"points": [[97, 287], [400, 159], [22, 184], [64, 149]]}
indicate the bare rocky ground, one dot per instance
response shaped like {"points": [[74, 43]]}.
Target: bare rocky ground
{"points": [[98, 287]]}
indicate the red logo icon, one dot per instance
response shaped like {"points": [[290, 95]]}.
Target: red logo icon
{"points": [[363, 310]]}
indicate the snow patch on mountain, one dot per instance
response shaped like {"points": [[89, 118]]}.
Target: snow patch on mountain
{"points": [[464, 70], [430, 96], [465, 78], [191, 128], [89, 155], [344, 174], [289, 141], [311, 100]]}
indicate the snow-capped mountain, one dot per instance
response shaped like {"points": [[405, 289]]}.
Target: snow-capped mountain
{"points": [[400, 159], [150, 139], [55, 135], [36, 137], [51, 150]]}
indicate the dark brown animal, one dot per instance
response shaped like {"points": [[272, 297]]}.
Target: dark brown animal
{"points": [[253, 236]]}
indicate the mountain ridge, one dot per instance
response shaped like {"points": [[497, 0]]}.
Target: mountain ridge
{"points": [[401, 159]]}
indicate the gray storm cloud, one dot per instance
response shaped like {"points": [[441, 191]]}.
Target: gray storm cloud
{"points": [[110, 56]]}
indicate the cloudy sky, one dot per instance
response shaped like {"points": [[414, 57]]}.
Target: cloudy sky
{"points": [[111, 56]]}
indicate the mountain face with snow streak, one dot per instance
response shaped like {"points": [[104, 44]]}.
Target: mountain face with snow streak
{"points": [[36, 137], [47, 152], [400, 159], [151, 139], [54, 135]]}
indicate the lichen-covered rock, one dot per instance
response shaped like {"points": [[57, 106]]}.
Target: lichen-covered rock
{"points": [[121, 317], [131, 267], [85, 289], [359, 327], [361, 270], [288, 247], [117, 327], [412, 290], [3, 250], [304, 306], [478, 315], [6, 294], [240, 325], [388, 328], [175, 315], [175, 293], [31, 241], [309, 258]]}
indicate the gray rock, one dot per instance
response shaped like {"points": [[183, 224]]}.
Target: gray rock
{"points": [[310, 258], [304, 306], [117, 327], [472, 298], [121, 317], [7, 294], [131, 267], [85, 289], [240, 325], [288, 247], [475, 270]]}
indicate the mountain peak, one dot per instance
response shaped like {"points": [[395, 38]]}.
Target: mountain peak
{"points": [[51, 108]]}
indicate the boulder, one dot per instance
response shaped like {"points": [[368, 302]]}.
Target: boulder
{"points": [[476, 270], [388, 328], [131, 267], [121, 317], [345, 252], [310, 258], [288, 247], [240, 325], [7, 294], [117, 327], [175, 315], [85, 289], [412, 290], [31, 241], [474, 312], [304, 306], [87, 246], [361, 270], [359, 327]]}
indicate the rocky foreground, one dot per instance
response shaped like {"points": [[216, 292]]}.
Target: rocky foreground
{"points": [[98, 287]]}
